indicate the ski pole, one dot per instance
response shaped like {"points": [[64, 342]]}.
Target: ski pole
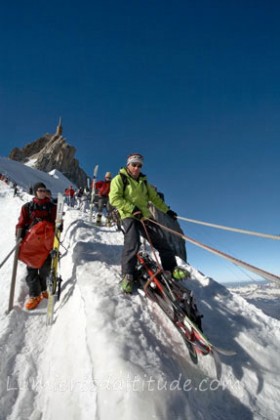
{"points": [[10, 253], [92, 192], [14, 274]]}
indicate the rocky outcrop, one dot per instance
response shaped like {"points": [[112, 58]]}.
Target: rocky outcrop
{"points": [[31, 149], [52, 152]]}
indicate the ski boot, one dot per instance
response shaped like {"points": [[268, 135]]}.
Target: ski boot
{"points": [[127, 283], [180, 273], [33, 302]]}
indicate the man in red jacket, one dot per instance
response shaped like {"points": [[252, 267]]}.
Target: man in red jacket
{"points": [[102, 191], [69, 194], [40, 208]]}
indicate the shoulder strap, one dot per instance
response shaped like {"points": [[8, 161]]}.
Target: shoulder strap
{"points": [[125, 181], [31, 206]]}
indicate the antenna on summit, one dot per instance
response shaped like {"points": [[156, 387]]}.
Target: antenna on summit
{"points": [[59, 128]]}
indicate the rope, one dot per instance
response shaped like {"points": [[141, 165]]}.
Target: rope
{"points": [[150, 242], [248, 232], [159, 270], [256, 270]]}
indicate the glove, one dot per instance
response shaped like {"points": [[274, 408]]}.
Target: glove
{"points": [[172, 214], [60, 227], [137, 213], [20, 232]]}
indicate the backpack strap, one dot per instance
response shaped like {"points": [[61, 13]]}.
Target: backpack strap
{"points": [[125, 182], [31, 206]]}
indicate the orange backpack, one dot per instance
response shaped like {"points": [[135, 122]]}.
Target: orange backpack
{"points": [[37, 244]]}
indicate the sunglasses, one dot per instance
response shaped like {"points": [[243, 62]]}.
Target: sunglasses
{"points": [[41, 190], [136, 165]]}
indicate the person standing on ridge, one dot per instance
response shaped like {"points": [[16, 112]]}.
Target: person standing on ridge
{"points": [[39, 209], [130, 194], [102, 192], [70, 196]]}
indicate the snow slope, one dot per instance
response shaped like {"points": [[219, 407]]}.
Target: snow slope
{"points": [[109, 356], [26, 176]]}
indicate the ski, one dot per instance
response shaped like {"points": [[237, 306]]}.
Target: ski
{"points": [[54, 280], [14, 272], [202, 343], [92, 197], [178, 304]]}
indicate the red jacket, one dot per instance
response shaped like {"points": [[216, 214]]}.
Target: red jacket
{"points": [[69, 192], [34, 211], [103, 188]]}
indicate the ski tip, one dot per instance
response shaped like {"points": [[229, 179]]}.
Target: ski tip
{"points": [[224, 352], [141, 292]]}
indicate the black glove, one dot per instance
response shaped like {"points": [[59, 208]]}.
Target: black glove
{"points": [[60, 227], [172, 214], [137, 213]]}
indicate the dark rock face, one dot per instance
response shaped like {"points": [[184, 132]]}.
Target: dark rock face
{"points": [[52, 152], [17, 154], [29, 150]]}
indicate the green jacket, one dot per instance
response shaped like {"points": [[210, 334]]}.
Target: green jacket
{"points": [[137, 193]]}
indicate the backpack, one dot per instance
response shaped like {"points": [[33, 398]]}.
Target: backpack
{"points": [[38, 237], [37, 244]]}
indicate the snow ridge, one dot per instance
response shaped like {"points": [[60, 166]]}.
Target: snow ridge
{"points": [[112, 356]]}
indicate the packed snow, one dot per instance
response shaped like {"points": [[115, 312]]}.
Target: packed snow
{"points": [[24, 174], [109, 356]]}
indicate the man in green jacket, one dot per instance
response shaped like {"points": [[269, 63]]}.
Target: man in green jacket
{"points": [[130, 194]]}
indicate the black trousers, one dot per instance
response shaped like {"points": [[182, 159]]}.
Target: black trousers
{"points": [[36, 278], [103, 202], [132, 230]]}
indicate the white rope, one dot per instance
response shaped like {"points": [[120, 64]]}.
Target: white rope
{"points": [[256, 270], [248, 232]]}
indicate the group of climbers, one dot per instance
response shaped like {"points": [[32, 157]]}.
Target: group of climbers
{"points": [[129, 193]]}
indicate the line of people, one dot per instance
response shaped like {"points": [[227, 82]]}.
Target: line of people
{"points": [[131, 199]]}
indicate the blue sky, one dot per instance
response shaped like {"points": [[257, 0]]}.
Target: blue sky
{"points": [[194, 86]]}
